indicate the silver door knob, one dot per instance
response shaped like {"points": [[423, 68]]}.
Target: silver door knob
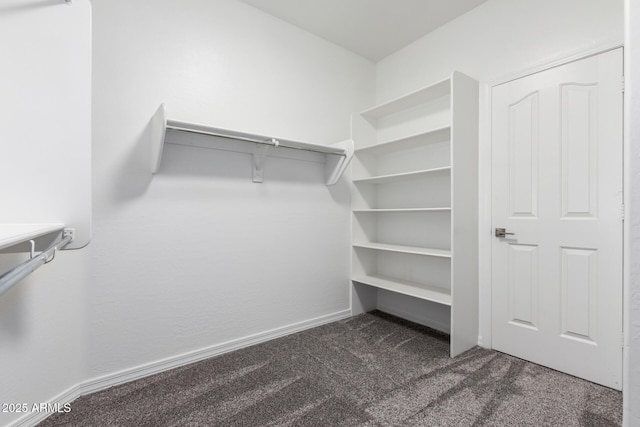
{"points": [[501, 232]]}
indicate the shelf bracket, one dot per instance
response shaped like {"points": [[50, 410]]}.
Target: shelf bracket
{"points": [[260, 152], [158, 126], [336, 165]]}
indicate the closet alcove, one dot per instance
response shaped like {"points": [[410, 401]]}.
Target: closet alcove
{"points": [[415, 203]]}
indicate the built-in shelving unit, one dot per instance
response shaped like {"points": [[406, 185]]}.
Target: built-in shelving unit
{"points": [[415, 202], [336, 157]]}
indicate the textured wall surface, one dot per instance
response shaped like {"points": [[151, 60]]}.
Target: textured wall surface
{"points": [[499, 38], [197, 254]]}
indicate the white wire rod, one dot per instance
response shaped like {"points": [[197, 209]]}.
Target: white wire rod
{"points": [[9, 279], [269, 141]]}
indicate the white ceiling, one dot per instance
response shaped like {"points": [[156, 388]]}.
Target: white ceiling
{"points": [[371, 28]]}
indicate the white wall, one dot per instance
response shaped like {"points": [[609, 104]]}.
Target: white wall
{"points": [[632, 262], [45, 167], [497, 39], [501, 37], [42, 345], [198, 255]]}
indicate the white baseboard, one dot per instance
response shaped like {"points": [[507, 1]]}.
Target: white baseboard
{"points": [[127, 375], [131, 374], [421, 320], [33, 418]]}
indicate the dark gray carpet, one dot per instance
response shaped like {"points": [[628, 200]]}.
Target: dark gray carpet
{"points": [[369, 370]]}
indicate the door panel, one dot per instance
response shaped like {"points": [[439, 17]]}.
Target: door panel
{"points": [[579, 150], [579, 293], [523, 158], [523, 285], [557, 185]]}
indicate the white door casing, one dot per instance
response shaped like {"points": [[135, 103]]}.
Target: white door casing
{"points": [[557, 185]]}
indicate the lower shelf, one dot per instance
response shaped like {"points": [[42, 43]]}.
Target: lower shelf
{"points": [[413, 289]]}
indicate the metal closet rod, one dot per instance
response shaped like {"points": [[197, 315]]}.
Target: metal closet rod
{"points": [[268, 141], [9, 279]]}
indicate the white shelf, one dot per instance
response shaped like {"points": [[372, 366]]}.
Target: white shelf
{"points": [[414, 99], [13, 234], [407, 143], [402, 210], [337, 156], [402, 176], [413, 250], [417, 290]]}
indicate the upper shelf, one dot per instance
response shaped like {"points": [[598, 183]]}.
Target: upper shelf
{"points": [[385, 179], [338, 156], [411, 100], [408, 142], [13, 234]]}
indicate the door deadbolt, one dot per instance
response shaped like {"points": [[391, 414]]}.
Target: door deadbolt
{"points": [[501, 232]]}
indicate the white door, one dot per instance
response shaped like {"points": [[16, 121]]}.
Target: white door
{"points": [[557, 186]]}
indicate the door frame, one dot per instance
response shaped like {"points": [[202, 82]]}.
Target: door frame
{"points": [[486, 237]]}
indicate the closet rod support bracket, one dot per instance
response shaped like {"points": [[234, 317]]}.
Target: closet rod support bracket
{"points": [[32, 250], [260, 152]]}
